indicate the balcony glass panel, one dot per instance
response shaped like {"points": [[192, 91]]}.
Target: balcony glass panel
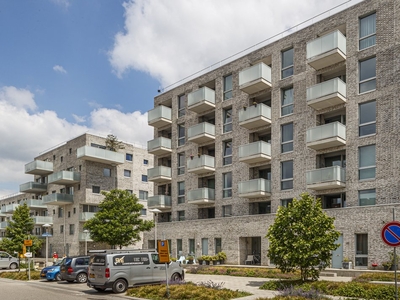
{"points": [[33, 187], [64, 176], [9, 208], [326, 88], [159, 201], [160, 142], [58, 199], [255, 72], [202, 161], [334, 173], [43, 220], [100, 155], [255, 111], [200, 129], [39, 166], [326, 131], [259, 147], [34, 203], [85, 216], [199, 194], [3, 225], [83, 236], [333, 40], [202, 94], [255, 185], [159, 171], [159, 112]]}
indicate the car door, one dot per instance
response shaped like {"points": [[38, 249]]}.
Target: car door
{"points": [[140, 268], [158, 268], [3, 260]]}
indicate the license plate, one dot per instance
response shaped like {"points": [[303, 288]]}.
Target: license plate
{"points": [[92, 276], [42, 275]]}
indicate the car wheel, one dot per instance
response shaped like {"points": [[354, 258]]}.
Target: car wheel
{"points": [[119, 286], [81, 277], [176, 277], [57, 277], [99, 289], [13, 266]]}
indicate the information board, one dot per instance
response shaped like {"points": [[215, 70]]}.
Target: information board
{"points": [[163, 251]]}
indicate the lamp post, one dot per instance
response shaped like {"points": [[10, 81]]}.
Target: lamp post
{"points": [[155, 211], [46, 234], [86, 233]]}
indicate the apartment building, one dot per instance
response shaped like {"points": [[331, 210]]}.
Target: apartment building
{"points": [[316, 111], [66, 186]]}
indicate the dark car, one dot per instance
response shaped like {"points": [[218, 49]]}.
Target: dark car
{"points": [[74, 268]]}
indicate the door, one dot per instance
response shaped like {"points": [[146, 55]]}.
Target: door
{"points": [[4, 260], [204, 246], [158, 268], [337, 255]]}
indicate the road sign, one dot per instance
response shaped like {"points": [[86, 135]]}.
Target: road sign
{"points": [[28, 254], [163, 252], [390, 234], [28, 243], [46, 234]]}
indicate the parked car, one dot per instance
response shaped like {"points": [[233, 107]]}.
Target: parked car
{"points": [[8, 261], [52, 272], [74, 268], [120, 269]]}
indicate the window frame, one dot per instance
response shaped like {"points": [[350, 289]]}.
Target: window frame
{"points": [[181, 197], [95, 188], [181, 105], [286, 179], [366, 124], [181, 163], [228, 93], [227, 210], [362, 202], [366, 167], [227, 189], [365, 80], [286, 142], [285, 67], [181, 138], [106, 172], [291, 104], [181, 215], [127, 173], [143, 195], [226, 154], [368, 36], [145, 178], [128, 156], [227, 120]]}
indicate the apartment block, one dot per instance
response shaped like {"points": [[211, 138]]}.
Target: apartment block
{"points": [[316, 111], [66, 186]]}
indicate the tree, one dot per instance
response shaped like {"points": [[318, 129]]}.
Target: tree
{"points": [[302, 237], [18, 230], [113, 144], [118, 221]]}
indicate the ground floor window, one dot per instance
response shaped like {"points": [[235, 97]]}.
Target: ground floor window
{"points": [[218, 245], [361, 250]]}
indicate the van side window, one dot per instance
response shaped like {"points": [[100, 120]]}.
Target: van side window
{"points": [[155, 258]]}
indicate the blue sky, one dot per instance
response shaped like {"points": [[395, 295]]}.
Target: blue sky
{"points": [[74, 66]]}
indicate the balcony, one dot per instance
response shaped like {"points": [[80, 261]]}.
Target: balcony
{"points": [[159, 117], [255, 188], [100, 155], [201, 133], [160, 174], [65, 177], [161, 202], [326, 136], [201, 165], [255, 116], [201, 196], [256, 152], [58, 199], [201, 100], [159, 146], [4, 225], [84, 237], [326, 178], [41, 220], [86, 216], [34, 203], [33, 187], [9, 209], [326, 94], [39, 167], [255, 78], [327, 50]]}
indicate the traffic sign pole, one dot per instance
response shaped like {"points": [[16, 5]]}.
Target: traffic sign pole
{"points": [[395, 261]]}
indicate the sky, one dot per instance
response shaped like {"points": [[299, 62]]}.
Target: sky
{"points": [[73, 66]]}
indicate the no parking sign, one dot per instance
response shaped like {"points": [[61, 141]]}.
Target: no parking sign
{"points": [[391, 234]]}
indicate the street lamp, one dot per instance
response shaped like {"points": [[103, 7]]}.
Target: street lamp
{"points": [[86, 233], [155, 211], [46, 234]]}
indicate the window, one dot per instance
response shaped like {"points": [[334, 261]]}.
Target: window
{"points": [[107, 172], [287, 102], [181, 192], [144, 178], [227, 87], [218, 245], [181, 215], [366, 162], [127, 173], [181, 105], [179, 248], [80, 168], [362, 250], [287, 175], [192, 244], [181, 163], [367, 75], [227, 155], [130, 192], [128, 157], [143, 212], [285, 202], [287, 138], [367, 197], [227, 120], [287, 63], [145, 161], [70, 150], [227, 210], [62, 158], [74, 210], [95, 189], [227, 189], [367, 113], [54, 158], [181, 135], [69, 214], [90, 208], [61, 228], [60, 212], [143, 195], [367, 31], [71, 229]]}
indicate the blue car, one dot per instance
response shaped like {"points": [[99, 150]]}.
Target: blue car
{"points": [[51, 272]]}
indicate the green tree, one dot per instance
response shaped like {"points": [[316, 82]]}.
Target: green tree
{"points": [[18, 230], [302, 237], [113, 144], [118, 221]]}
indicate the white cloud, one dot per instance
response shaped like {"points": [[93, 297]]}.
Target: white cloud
{"points": [[173, 39], [17, 98], [63, 3], [59, 69], [79, 119]]}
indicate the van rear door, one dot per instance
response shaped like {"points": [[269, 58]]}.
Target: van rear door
{"points": [[97, 269]]}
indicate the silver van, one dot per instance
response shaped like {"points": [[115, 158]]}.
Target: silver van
{"points": [[7, 261], [120, 269]]}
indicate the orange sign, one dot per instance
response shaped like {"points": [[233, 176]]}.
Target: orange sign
{"points": [[163, 252], [28, 243]]}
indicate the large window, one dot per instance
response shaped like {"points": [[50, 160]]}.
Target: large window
{"points": [[227, 120], [367, 114], [287, 175], [287, 102], [227, 189], [366, 162], [367, 197], [143, 195], [181, 105], [367, 31], [181, 163], [362, 250], [181, 192], [367, 75], [287, 138], [181, 135], [287, 63], [227, 155], [227, 87]]}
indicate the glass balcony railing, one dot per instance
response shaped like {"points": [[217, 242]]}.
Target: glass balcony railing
{"points": [[3, 225], [159, 201], [39, 167], [326, 88], [254, 188], [202, 195], [202, 164], [10, 208], [331, 177], [255, 78], [33, 187], [58, 199], [159, 116], [64, 177], [159, 146], [159, 174], [35, 203], [201, 100], [41, 220], [85, 216], [100, 155], [255, 116], [85, 236], [255, 152], [201, 133], [326, 131]]}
